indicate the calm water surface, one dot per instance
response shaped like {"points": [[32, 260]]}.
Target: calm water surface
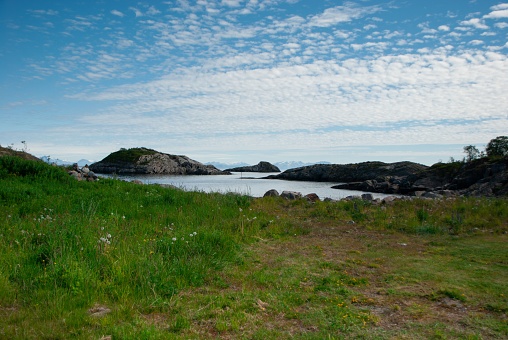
{"points": [[250, 183]]}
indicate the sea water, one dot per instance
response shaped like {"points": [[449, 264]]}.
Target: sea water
{"points": [[247, 183]]}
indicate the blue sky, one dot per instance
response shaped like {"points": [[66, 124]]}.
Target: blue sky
{"points": [[251, 80]]}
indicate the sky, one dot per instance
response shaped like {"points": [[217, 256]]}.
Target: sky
{"points": [[250, 80]]}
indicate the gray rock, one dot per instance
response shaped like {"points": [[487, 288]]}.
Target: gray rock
{"points": [[75, 174], [291, 195], [352, 198], [271, 193], [367, 197], [431, 194], [312, 197], [389, 200]]}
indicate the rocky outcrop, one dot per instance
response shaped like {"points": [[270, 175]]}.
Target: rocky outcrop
{"points": [[481, 177], [260, 167], [148, 161], [351, 172]]}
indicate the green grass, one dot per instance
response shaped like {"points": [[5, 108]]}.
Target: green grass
{"points": [[169, 264]]}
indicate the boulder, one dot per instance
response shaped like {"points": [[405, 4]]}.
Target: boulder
{"points": [[75, 174], [389, 200], [431, 194], [271, 193], [312, 197], [367, 197], [291, 195]]}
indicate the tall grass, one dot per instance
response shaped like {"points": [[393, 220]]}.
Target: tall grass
{"points": [[67, 244]]}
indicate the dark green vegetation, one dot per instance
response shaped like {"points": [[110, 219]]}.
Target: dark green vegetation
{"points": [[497, 147], [91, 259], [128, 155]]}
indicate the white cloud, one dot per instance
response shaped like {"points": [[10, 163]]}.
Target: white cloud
{"points": [[499, 7], [476, 23], [80, 23], [426, 29], [476, 42], [444, 28], [117, 13], [42, 12], [435, 92], [152, 11], [501, 25], [231, 3], [497, 14], [136, 11], [124, 43], [335, 15]]}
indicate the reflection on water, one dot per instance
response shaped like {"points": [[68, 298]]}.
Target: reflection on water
{"points": [[251, 184]]}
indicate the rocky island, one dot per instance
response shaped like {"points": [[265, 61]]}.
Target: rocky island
{"points": [[148, 161], [260, 167]]}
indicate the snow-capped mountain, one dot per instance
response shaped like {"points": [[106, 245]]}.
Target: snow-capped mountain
{"points": [[57, 161], [281, 165]]}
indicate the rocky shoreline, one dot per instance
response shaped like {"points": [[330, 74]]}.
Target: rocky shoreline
{"points": [[480, 177]]}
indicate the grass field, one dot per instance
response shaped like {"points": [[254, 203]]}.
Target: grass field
{"points": [[110, 259]]}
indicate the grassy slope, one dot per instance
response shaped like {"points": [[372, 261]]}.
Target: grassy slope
{"points": [[264, 268]]}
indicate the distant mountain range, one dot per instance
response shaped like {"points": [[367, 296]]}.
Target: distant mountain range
{"points": [[57, 161], [281, 165]]}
